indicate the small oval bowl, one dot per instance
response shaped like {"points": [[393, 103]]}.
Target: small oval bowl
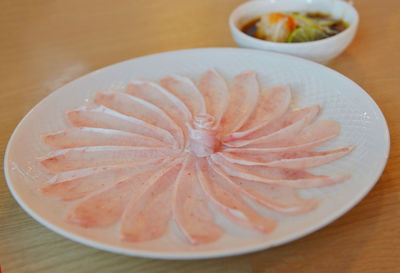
{"points": [[321, 51]]}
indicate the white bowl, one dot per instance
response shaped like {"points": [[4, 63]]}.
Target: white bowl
{"points": [[319, 51]]}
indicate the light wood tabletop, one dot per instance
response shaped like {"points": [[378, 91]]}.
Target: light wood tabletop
{"points": [[45, 44]]}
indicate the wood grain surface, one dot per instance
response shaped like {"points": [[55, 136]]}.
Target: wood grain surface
{"points": [[45, 44]]}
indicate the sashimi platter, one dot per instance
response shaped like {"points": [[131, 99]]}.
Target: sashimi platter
{"points": [[197, 153]]}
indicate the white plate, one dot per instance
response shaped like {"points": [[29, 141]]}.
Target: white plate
{"points": [[362, 122]]}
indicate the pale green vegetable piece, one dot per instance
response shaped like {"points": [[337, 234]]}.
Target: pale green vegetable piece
{"points": [[306, 34]]}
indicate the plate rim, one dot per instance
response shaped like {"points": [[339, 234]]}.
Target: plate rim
{"points": [[212, 253]]}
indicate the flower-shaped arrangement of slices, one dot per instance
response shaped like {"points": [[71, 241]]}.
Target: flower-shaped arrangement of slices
{"points": [[169, 151]]}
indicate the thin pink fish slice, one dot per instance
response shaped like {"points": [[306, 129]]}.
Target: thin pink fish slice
{"points": [[85, 137], [86, 157], [281, 199], [272, 104], [280, 137], [289, 124], [140, 109], [76, 184], [243, 98], [288, 160], [228, 201], [297, 179], [105, 208], [185, 90], [313, 135], [103, 117], [146, 216], [318, 132], [190, 209], [215, 93], [163, 99]]}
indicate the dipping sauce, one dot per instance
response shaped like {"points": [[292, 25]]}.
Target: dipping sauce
{"points": [[294, 27]]}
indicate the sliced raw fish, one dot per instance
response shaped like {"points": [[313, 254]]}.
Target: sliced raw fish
{"points": [[173, 151], [79, 183], [105, 207], [313, 135], [163, 99], [277, 176], [319, 132], [140, 109], [85, 136], [203, 137], [190, 208], [281, 199], [287, 124], [243, 98], [279, 137], [289, 160], [309, 113], [146, 216], [272, 104], [215, 94], [185, 90], [103, 117], [227, 200], [86, 157]]}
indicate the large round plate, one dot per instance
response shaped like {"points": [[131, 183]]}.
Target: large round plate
{"points": [[362, 123]]}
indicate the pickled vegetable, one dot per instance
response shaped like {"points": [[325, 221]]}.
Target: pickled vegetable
{"points": [[294, 27]]}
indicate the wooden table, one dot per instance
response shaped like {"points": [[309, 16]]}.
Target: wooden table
{"points": [[45, 44]]}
